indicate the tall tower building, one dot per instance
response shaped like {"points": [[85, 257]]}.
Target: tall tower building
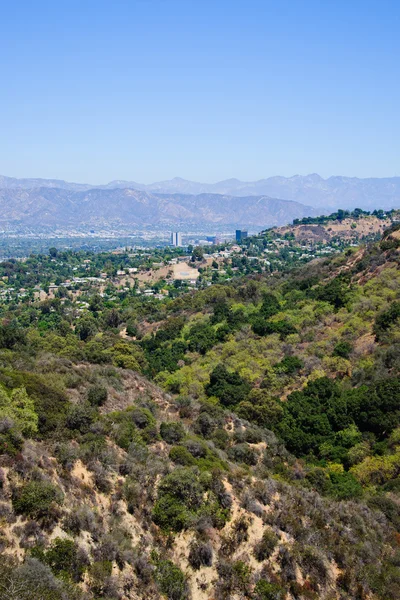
{"points": [[176, 238], [241, 234]]}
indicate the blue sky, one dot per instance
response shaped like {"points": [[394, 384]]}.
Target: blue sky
{"points": [[147, 90]]}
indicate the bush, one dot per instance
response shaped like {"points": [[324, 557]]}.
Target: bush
{"points": [[170, 514], [200, 554], [33, 580], [180, 494], [20, 408], [181, 499], [265, 547], [100, 572], [181, 456], [204, 425], [64, 558], [389, 507], [142, 417], [97, 395], [171, 581], [289, 365], [172, 432], [268, 591], [35, 499], [81, 518], [262, 327], [201, 338], [345, 486], [386, 318], [80, 417], [270, 306], [243, 453], [342, 349], [196, 448], [11, 440]]}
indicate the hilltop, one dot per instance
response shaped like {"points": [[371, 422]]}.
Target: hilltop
{"points": [[237, 441], [347, 226]]}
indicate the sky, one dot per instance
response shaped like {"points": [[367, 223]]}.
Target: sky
{"points": [[146, 90]]}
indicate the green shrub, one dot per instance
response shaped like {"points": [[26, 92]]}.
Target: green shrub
{"points": [[11, 440], [181, 456], [171, 581], [170, 514], [172, 432], [64, 559], [289, 365], [342, 349], [268, 591], [265, 547], [270, 306], [345, 486], [186, 494], [20, 408], [386, 318], [99, 572], [80, 417], [243, 453], [35, 499], [97, 395], [123, 429]]}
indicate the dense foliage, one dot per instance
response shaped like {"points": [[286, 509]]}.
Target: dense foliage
{"points": [[245, 433]]}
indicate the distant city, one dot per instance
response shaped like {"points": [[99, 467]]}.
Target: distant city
{"points": [[177, 238]]}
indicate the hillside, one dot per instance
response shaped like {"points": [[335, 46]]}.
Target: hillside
{"points": [[124, 209], [346, 229], [241, 441]]}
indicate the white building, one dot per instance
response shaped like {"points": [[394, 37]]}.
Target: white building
{"points": [[176, 238]]}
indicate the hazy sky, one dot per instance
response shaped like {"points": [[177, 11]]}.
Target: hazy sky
{"points": [[203, 89]]}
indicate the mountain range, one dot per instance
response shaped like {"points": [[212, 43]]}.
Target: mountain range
{"points": [[37, 203], [312, 190], [125, 208]]}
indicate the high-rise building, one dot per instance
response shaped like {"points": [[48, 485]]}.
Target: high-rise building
{"points": [[176, 238], [240, 235]]}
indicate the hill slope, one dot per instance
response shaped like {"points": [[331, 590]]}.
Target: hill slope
{"points": [[265, 466]]}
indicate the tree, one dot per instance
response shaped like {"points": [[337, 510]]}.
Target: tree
{"points": [[270, 306], [198, 254], [201, 337], [228, 386], [386, 318], [86, 327]]}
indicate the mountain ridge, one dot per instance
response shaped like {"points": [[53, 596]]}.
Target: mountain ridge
{"points": [[126, 207], [336, 191]]}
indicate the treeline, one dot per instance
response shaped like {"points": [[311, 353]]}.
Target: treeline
{"points": [[340, 215]]}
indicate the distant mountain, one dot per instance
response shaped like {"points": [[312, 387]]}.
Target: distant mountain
{"points": [[122, 208], [312, 190], [9, 183]]}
